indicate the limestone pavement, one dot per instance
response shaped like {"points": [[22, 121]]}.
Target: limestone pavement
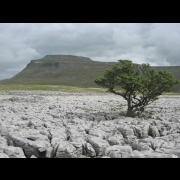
{"points": [[54, 124]]}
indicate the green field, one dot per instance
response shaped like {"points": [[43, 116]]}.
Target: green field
{"points": [[59, 88], [50, 88]]}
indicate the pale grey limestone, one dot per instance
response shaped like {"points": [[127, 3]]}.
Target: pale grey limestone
{"points": [[116, 140], [48, 124], [3, 155], [98, 144], [118, 151], [66, 150]]}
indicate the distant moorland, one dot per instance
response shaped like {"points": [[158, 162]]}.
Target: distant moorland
{"points": [[68, 70]]}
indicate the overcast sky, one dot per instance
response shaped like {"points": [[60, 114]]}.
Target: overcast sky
{"points": [[156, 44]]}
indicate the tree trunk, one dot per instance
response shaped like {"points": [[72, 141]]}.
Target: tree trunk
{"points": [[130, 109], [129, 112]]}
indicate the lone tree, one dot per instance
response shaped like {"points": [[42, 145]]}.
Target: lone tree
{"points": [[139, 85]]}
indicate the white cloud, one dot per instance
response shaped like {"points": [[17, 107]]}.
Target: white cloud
{"points": [[157, 44]]}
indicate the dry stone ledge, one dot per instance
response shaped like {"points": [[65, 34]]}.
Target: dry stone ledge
{"points": [[3, 130], [3, 141], [50, 153], [141, 130], [98, 144], [118, 151], [116, 140], [54, 124], [98, 133], [12, 152], [126, 130], [32, 145], [3, 155], [89, 151], [148, 154], [153, 131], [66, 150]]}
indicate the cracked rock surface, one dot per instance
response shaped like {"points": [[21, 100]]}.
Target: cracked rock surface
{"points": [[54, 124]]}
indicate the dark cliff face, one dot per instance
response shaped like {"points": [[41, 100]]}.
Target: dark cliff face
{"points": [[69, 70], [54, 63]]}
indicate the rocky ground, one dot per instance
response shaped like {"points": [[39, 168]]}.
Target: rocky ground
{"points": [[46, 124]]}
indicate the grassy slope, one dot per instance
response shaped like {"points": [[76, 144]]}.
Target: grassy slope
{"points": [[51, 88], [78, 73]]}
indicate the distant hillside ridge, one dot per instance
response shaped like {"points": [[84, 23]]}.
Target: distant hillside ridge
{"points": [[61, 70], [70, 70]]}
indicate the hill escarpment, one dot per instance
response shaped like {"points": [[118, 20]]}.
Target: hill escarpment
{"points": [[70, 70]]}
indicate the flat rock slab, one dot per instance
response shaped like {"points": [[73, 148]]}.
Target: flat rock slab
{"points": [[12, 152], [66, 150], [3, 155], [118, 151]]}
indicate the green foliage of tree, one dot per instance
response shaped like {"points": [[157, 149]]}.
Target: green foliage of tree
{"points": [[139, 85]]}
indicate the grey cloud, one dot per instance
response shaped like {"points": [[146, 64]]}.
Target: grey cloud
{"points": [[153, 43]]}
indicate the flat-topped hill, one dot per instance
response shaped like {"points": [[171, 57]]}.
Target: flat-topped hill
{"points": [[70, 70]]}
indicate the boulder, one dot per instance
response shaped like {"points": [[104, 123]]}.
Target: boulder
{"points": [[75, 132], [83, 156], [136, 154], [118, 151], [13, 152], [148, 154], [79, 148], [3, 130], [126, 131], [153, 131], [97, 133], [157, 143], [66, 150], [57, 135], [144, 147], [89, 151], [50, 152], [142, 130], [116, 140], [130, 139], [171, 151], [98, 144], [3, 155], [3, 141], [31, 146]]}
